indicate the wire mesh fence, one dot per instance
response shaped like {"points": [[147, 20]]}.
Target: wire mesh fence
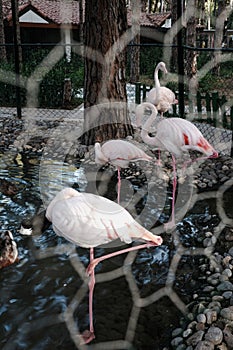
{"points": [[43, 95], [48, 83]]}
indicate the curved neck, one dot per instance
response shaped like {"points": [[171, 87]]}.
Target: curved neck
{"points": [[145, 128], [156, 77]]}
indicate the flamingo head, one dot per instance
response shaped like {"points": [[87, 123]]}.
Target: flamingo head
{"points": [[162, 67]]}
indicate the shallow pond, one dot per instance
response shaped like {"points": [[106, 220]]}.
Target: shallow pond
{"points": [[44, 297]]}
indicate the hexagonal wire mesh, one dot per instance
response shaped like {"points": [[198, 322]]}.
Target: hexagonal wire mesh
{"points": [[219, 137]]}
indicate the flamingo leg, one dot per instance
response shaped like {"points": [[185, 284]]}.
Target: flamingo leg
{"points": [[96, 261], [89, 335], [118, 184], [159, 162], [172, 223], [174, 189]]}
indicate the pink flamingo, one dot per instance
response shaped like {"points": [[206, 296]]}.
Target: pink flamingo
{"points": [[175, 135], [161, 96], [119, 153], [89, 220]]}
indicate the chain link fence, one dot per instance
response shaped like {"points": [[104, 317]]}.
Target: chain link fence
{"points": [[50, 83]]}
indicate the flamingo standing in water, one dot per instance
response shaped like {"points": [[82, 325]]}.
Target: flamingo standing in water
{"points": [[89, 220], [161, 96], [119, 153], [175, 135]]}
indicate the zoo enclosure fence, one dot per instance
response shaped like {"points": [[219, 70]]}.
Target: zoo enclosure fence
{"points": [[62, 87]]}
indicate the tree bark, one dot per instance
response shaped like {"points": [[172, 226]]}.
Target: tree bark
{"points": [[219, 28], [135, 48], [15, 16], [104, 84], [2, 36], [174, 66], [191, 55]]}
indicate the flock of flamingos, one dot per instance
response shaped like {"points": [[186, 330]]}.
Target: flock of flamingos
{"points": [[90, 220]]}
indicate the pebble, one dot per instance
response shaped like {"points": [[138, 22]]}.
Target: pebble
{"points": [[204, 345], [176, 341], [227, 295], [195, 338], [211, 316], [213, 328], [224, 286], [201, 318], [214, 335], [227, 313], [177, 332], [228, 335]]}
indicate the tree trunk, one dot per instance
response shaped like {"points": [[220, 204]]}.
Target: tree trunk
{"points": [[135, 48], [144, 5], [174, 48], [105, 96], [219, 28], [191, 56], [17, 38], [2, 36]]}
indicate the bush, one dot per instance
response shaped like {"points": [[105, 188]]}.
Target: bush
{"points": [[51, 84]]}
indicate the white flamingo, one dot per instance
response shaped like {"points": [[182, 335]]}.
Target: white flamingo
{"points": [[161, 96], [175, 135], [119, 153], [89, 220]]}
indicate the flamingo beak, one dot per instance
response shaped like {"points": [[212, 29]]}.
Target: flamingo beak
{"points": [[214, 154]]}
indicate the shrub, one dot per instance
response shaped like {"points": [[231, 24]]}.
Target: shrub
{"points": [[51, 84]]}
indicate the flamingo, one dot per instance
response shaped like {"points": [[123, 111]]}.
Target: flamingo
{"points": [[90, 220], [119, 153], [8, 249], [161, 96], [175, 135]]}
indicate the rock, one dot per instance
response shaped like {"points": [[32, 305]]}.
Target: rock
{"points": [[214, 279], [219, 298], [227, 295], [227, 272], [215, 305], [222, 347], [231, 250], [224, 286], [192, 325], [227, 259], [187, 333], [223, 278], [204, 345], [201, 318], [200, 326], [177, 332], [181, 347], [195, 338], [211, 316], [208, 289], [228, 335], [176, 341], [229, 235], [227, 313], [214, 335]]}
